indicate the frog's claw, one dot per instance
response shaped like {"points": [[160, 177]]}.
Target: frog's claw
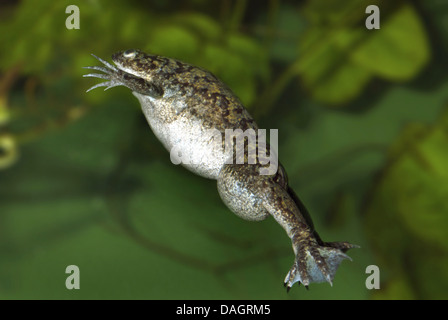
{"points": [[110, 73], [317, 263]]}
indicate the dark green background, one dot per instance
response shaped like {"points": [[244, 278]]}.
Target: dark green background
{"points": [[363, 135]]}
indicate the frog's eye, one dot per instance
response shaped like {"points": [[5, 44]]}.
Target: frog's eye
{"points": [[129, 54]]}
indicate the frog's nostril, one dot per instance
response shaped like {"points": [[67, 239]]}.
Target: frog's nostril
{"points": [[131, 53]]}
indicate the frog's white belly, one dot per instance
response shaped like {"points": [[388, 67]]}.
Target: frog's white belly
{"points": [[198, 149]]}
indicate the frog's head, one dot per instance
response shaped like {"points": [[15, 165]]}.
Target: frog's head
{"points": [[136, 62], [132, 69]]}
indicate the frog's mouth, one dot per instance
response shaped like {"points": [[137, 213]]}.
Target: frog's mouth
{"points": [[118, 77]]}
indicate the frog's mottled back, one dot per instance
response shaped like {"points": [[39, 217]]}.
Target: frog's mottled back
{"points": [[207, 97]]}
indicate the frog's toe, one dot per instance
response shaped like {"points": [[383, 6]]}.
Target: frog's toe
{"points": [[110, 73], [341, 245]]}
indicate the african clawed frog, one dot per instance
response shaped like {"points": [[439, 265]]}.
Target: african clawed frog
{"points": [[181, 102]]}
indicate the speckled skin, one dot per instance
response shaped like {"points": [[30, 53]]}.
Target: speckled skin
{"points": [[181, 102]]}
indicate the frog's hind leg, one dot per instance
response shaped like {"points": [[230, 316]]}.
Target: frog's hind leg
{"points": [[238, 189], [342, 245], [254, 197]]}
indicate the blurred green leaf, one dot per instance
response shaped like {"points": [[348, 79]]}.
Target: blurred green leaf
{"points": [[438, 11], [420, 174], [399, 51], [411, 196], [173, 41], [342, 85], [205, 27], [250, 50], [339, 55], [286, 32]]}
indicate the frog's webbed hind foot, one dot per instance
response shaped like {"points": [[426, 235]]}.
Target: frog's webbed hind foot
{"points": [[316, 263]]}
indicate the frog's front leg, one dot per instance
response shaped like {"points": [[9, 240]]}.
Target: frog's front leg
{"points": [[254, 197]]}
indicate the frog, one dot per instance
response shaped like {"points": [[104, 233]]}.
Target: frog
{"points": [[182, 103]]}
